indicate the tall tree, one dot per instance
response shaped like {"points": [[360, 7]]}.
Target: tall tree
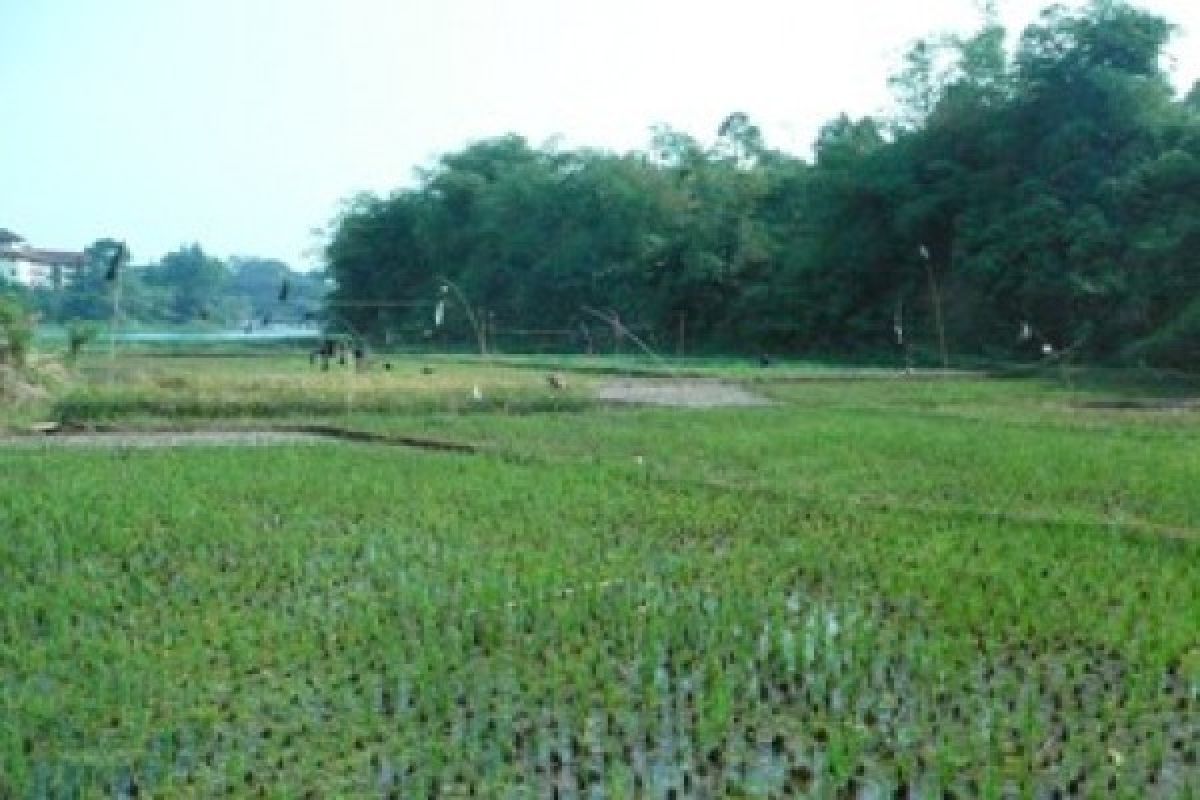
{"points": [[195, 280]]}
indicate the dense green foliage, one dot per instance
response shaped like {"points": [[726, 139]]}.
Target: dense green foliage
{"points": [[881, 588], [1052, 190], [186, 287]]}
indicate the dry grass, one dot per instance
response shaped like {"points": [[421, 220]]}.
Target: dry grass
{"points": [[286, 386]]}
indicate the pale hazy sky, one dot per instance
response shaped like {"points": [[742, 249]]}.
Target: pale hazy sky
{"points": [[241, 124]]}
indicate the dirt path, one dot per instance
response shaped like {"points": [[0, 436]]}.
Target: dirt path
{"points": [[152, 439], [304, 435]]}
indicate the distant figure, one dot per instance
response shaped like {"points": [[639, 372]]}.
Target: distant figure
{"points": [[556, 381], [387, 366], [326, 354], [764, 361], [360, 358], [313, 355]]}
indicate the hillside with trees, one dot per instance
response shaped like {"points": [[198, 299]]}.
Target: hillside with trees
{"points": [[1023, 199]]}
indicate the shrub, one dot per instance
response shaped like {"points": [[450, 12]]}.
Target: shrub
{"points": [[78, 335], [16, 332]]}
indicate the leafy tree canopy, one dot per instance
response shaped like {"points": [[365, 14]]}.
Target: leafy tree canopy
{"points": [[1013, 203]]}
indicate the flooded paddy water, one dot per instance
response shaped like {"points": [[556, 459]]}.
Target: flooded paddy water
{"points": [[823, 699]]}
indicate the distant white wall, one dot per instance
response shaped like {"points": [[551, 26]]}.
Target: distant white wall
{"points": [[18, 270]]}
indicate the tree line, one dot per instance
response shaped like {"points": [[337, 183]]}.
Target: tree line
{"points": [[1021, 201], [185, 287]]}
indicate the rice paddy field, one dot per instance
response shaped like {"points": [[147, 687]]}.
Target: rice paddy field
{"points": [[879, 587]]}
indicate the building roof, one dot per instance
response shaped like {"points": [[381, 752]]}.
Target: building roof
{"points": [[49, 258], [57, 258]]}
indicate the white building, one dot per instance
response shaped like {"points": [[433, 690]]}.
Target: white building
{"points": [[36, 268], [15, 269]]}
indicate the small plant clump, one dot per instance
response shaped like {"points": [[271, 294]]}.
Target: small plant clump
{"points": [[78, 336], [16, 333]]}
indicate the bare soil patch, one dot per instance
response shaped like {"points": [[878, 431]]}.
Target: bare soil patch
{"points": [[678, 393], [147, 439], [156, 439]]}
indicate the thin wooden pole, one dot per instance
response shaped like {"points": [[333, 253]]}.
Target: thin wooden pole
{"points": [[480, 334], [116, 316], [937, 307]]}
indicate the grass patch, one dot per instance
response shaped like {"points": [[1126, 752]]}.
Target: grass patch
{"points": [[289, 387]]}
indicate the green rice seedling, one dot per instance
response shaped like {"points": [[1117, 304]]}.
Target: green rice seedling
{"points": [[886, 646]]}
